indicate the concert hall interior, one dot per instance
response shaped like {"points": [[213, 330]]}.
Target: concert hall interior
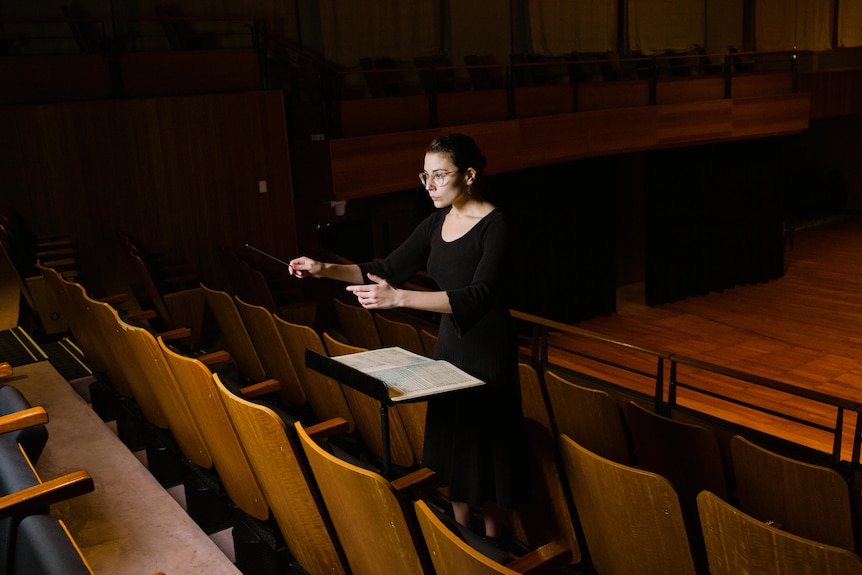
{"points": [[684, 186]]}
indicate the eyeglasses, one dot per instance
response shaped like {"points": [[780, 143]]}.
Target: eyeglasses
{"points": [[438, 177]]}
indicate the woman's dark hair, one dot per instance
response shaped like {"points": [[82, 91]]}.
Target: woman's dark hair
{"points": [[462, 150]]}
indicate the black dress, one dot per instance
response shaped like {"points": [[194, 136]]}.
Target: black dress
{"points": [[473, 438]]}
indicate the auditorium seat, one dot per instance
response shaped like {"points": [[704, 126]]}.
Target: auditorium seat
{"points": [[371, 516], [808, 500], [366, 413], [325, 395], [632, 519], [22, 491], [429, 341], [394, 333], [451, 555], [277, 363], [234, 333], [357, 325], [533, 403], [194, 382], [31, 437], [738, 543], [171, 289], [589, 416], [43, 546], [285, 479], [686, 454]]}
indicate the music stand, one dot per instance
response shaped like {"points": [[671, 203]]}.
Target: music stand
{"points": [[362, 382]]}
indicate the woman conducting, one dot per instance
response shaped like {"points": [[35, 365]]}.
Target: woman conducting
{"points": [[473, 438]]}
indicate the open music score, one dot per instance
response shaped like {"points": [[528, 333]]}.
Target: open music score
{"points": [[407, 375]]}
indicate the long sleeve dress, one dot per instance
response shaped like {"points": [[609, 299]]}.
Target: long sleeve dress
{"points": [[473, 437]]}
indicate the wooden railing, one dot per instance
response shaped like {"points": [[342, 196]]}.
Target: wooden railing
{"points": [[617, 362]]}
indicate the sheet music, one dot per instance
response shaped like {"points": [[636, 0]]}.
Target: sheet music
{"points": [[409, 375]]}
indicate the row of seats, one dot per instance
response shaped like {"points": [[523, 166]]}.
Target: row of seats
{"points": [[32, 541], [714, 494], [547, 400], [236, 448]]}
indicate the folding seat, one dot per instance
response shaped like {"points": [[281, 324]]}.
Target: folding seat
{"points": [[451, 555], [812, 501], [372, 517], [631, 519], [590, 416], [280, 467], [22, 492], [357, 325], [738, 543]]}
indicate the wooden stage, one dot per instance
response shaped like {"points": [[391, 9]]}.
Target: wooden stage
{"points": [[803, 329]]}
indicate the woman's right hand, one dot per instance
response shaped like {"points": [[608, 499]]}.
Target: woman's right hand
{"points": [[304, 267]]}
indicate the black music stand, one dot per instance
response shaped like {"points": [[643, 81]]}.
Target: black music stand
{"points": [[367, 384]]}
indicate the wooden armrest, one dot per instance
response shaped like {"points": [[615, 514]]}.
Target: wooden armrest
{"points": [[214, 357], [328, 428], [546, 559], [262, 388], [176, 334], [6, 369], [23, 419], [33, 499], [141, 315], [416, 481]]}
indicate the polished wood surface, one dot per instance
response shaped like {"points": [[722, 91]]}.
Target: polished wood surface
{"points": [[801, 329]]}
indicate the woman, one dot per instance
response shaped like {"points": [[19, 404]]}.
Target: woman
{"points": [[473, 437]]}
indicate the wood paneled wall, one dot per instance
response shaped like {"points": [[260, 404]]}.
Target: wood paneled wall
{"points": [[176, 173]]}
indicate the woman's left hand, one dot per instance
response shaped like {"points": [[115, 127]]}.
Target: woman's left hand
{"points": [[377, 295]]}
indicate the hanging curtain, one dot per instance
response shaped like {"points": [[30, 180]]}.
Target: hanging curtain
{"points": [[563, 26], [849, 23], [785, 25], [658, 25], [397, 29]]}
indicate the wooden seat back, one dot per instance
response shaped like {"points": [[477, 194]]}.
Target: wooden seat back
{"points": [[451, 555], [357, 325], [808, 500], [401, 334], [105, 325], [324, 394], [274, 356], [533, 403], [149, 375], [279, 465], [429, 341], [632, 519], [738, 543], [71, 297], [229, 459], [685, 453], [589, 416], [366, 411], [232, 328], [374, 523]]}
